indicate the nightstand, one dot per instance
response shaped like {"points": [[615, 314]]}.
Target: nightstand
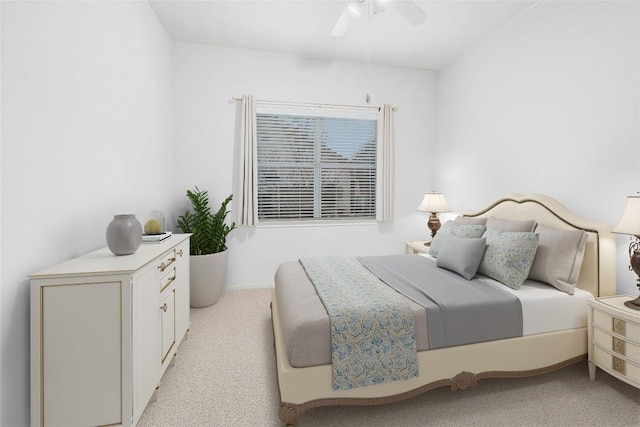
{"points": [[614, 339], [416, 247]]}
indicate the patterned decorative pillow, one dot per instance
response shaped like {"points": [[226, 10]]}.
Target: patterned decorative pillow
{"points": [[461, 255], [527, 225], [460, 230], [559, 257], [508, 256]]}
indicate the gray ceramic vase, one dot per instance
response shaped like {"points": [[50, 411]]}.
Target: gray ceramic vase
{"points": [[124, 234]]}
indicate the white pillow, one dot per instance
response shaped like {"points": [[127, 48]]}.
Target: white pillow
{"points": [[527, 225], [559, 257], [471, 220]]}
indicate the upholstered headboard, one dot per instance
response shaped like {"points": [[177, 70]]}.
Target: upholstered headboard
{"points": [[598, 273]]}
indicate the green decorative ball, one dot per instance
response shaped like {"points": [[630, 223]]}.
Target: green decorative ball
{"points": [[152, 227]]}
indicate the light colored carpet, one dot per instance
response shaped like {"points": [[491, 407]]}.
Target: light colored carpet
{"points": [[225, 376]]}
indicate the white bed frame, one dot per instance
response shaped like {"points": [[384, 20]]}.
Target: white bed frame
{"points": [[461, 367]]}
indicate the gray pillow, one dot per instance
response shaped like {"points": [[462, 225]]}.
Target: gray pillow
{"points": [[511, 224], [508, 256], [559, 257], [461, 255], [461, 230], [473, 220]]}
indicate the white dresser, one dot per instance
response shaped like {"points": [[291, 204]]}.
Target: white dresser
{"points": [[104, 329], [614, 339]]}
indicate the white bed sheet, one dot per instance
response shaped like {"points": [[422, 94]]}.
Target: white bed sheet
{"points": [[545, 308]]}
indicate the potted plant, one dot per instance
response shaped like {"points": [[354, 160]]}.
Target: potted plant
{"points": [[209, 253]]}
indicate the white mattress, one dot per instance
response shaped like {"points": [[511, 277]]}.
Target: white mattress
{"points": [[546, 309]]}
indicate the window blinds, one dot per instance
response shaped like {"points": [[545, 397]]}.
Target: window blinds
{"points": [[316, 164]]}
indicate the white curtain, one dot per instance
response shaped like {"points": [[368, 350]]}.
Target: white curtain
{"points": [[247, 168], [384, 195]]}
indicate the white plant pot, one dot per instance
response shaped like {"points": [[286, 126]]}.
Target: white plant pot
{"points": [[207, 277]]}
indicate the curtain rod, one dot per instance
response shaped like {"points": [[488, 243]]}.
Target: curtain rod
{"points": [[310, 104]]}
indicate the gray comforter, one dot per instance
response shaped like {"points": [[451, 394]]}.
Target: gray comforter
{"points": [[459, 311], [305, 321]]}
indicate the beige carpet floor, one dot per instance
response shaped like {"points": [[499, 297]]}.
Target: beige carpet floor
{"points": [[225, 376]]}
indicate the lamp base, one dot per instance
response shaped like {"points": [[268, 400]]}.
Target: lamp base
{"points": [[633, 303], [433, 224], [634, 265]]}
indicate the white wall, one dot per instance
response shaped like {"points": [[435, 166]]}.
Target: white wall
{"points": [[86, 115], [0, 216], [84, 82], [547, 104], [207, 78]]}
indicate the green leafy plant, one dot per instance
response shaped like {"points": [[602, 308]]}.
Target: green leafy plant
{"points": [[209, 230]]}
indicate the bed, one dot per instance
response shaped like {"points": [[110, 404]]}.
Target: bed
{"points": [[305, 372]]}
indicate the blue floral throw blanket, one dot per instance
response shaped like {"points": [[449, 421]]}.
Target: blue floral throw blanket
{"points": [[373, 337]]}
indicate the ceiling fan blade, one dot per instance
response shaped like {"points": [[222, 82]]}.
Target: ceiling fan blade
{"points": [[351, 12], [410, 11]]}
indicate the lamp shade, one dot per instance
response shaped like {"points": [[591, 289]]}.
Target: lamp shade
{"points": [[434, 202], [630, 221]]}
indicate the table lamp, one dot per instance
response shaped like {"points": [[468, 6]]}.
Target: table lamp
{"points": [[434, 203], [630, 224]]}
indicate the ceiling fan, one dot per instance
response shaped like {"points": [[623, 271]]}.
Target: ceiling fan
{"points": [[356, 8]]}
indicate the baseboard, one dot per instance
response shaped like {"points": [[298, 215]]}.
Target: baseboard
{"points": [[246, 286]]}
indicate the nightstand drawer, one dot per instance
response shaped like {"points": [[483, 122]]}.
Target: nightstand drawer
{"points": [[616, 345], [617, 364], [616, 325]]}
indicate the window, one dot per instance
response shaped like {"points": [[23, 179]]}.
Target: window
{"points": [[316, 163]]}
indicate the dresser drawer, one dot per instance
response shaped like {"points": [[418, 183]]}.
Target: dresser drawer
{"points": [[617, 364], [616, 345], [167, 260], [618, 326], [167, 278]]}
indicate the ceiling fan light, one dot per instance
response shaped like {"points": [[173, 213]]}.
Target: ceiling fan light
{"points": [[377, 6], [354, 8]]}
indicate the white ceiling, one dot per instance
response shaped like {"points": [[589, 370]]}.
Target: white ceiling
{"points": [[303, 27]]}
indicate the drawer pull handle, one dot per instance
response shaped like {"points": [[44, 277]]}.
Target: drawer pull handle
{"points": [[181, 253], [164, 307], [618, 365], [172, 278], [619, 326], [618, 346], [169, 281], [164, 266]]}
